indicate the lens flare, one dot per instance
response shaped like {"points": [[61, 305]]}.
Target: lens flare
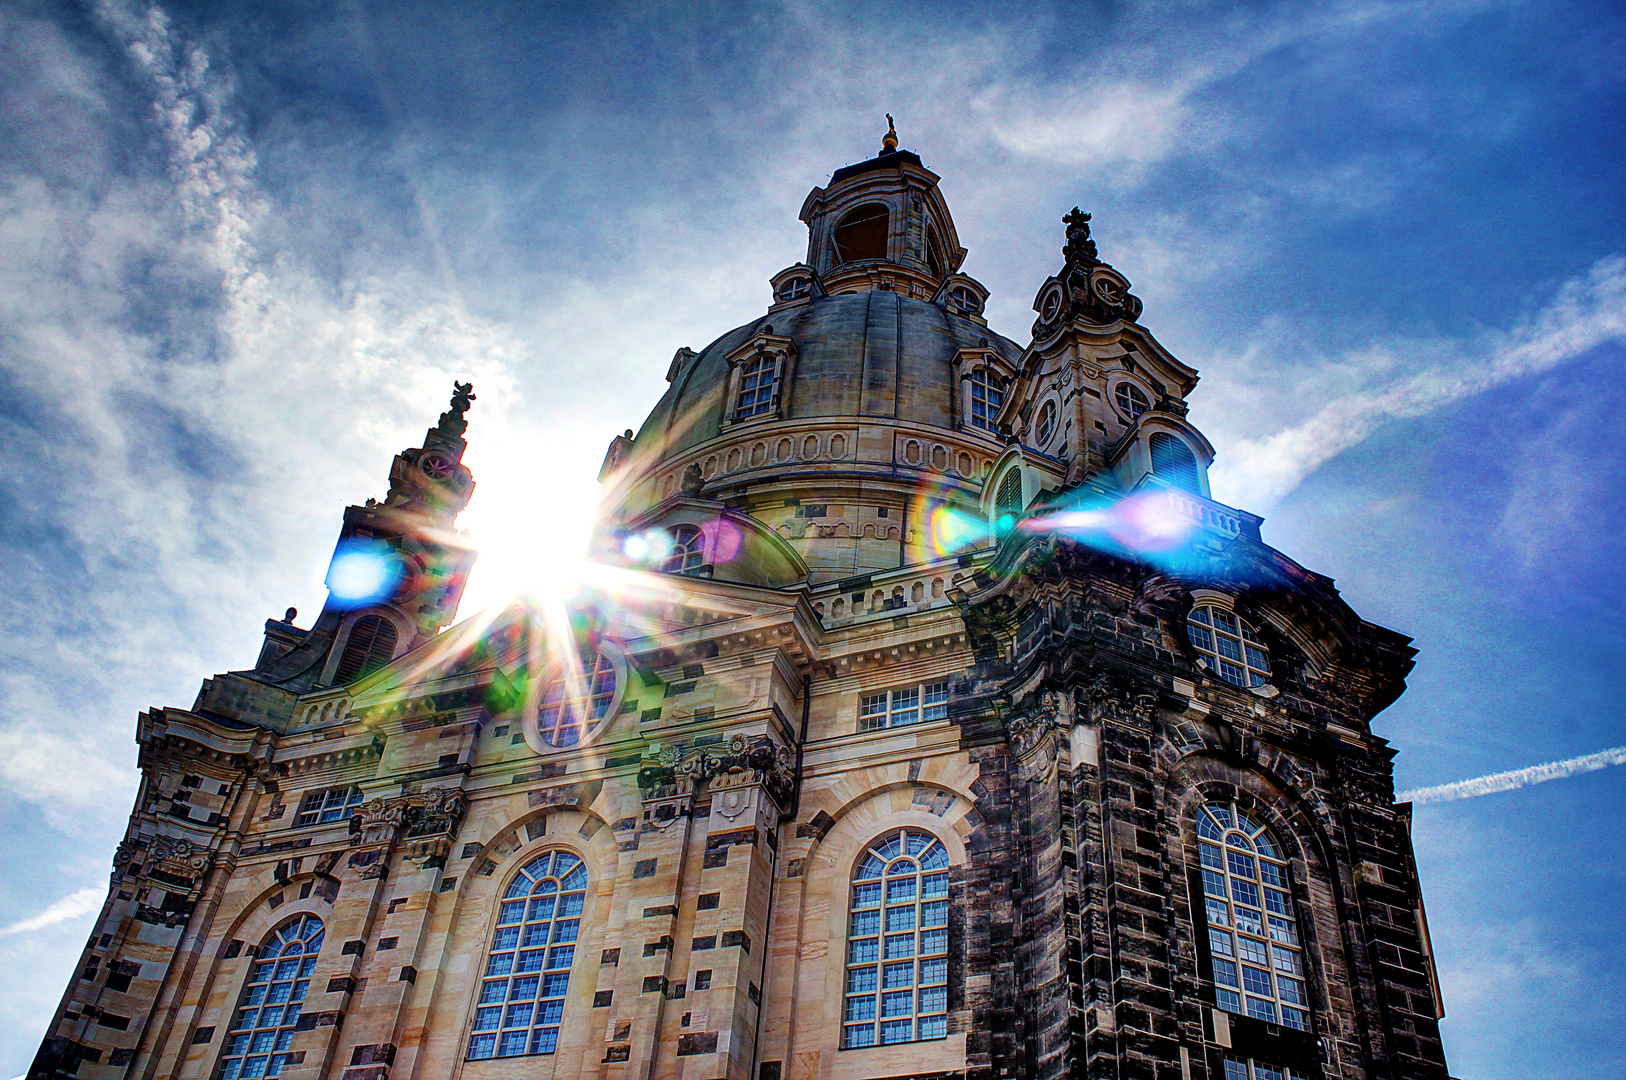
{"points": [[635, 547], [1157, 526], [362, 572]]}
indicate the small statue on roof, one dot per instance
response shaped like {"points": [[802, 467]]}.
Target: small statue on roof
{"points": [[452, 421], [889, 141], [1079, 244]]}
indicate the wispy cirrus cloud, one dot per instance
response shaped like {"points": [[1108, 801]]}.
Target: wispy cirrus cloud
{"points": [[1398, 381], [72, 906]]}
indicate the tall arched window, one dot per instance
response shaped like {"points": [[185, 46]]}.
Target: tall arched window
{"points": [[263, 1028], [1253, 938], [687, 552], [987, 395], [757, 387], [1172, 460], [370, 646], [862, 234], [521, 1000], [897, 942]]}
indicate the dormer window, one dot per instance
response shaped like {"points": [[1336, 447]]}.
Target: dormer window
{"points": [[861, 234], [962, 301], [987, 395], [757, 383], [687, 551], [794, 289], [1131, 401]]}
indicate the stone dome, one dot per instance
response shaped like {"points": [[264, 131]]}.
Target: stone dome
{"points": [[871, 354]]}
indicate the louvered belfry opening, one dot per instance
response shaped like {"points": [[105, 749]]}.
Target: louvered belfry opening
{"points": [[370, 646], [1172, 460]]}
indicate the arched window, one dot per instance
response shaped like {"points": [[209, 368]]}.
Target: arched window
{"points": [[1253, 938], [522, 997], [862, 234], [1131, 402], [263, 1028], [1008, 501], [688, 550], [897, 942], [574, 702], [757, 383], [987, 395], [1047, 423], [1172, 460], [1229, 645], [370, 646], [934, 253]]}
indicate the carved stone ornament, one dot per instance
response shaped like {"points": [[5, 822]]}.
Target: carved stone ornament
{"points": [[434, 815], [746, 760], [178, 857], [1028, 728]]}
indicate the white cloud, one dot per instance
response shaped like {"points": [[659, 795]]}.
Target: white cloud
{"points": [[71, 906]]}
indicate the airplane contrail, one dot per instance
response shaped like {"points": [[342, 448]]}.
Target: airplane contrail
{"points": [[1516, 778]]}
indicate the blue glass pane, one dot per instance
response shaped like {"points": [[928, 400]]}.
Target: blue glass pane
{"points": [[861, 980]]}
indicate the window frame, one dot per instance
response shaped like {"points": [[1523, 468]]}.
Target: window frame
{"points": [[992, 398], [607, 659], [878, 919], [1204, 620], [1250, 918], [326, 805], [930, 696], [238, 1046], [1047, 423], [687, 557], [1130, 414], [513, 912], [1253, 1069]]}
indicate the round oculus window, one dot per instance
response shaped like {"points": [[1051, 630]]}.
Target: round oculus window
{"points": [[1131, 401], [1047, 423], [576, 698]]}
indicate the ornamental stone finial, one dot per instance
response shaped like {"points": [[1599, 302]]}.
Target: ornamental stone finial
{"points": [[453, 421], [889, 141]]}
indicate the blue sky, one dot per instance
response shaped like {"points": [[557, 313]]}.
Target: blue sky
{"points": [[244, 248]]}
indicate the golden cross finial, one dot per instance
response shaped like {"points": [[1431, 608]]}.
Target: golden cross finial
{"points": [[889, 141]]}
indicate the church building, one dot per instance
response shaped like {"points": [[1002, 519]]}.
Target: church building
{"points": [[919, 714]]}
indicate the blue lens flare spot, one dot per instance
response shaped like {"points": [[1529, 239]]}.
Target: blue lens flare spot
{"points": [[363, 572]]}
